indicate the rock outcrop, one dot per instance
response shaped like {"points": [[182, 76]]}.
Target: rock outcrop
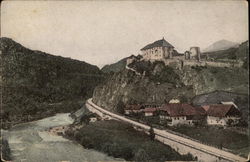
{"points": [[159, 84]]}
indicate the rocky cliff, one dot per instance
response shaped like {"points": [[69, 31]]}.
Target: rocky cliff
{"points": [[158, 83]]}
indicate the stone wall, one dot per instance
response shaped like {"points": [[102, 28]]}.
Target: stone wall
{"points": [[180, 63]]}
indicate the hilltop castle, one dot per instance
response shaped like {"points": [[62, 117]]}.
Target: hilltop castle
{"points": [[162, 50], [158, 50]]}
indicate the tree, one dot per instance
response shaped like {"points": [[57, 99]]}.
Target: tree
{"points": [[230, 122], [120, 107], [183, 99], [5, 150], [151, 133]]}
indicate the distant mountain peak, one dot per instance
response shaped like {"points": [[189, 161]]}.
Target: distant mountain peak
{"points": [[221, 45]]}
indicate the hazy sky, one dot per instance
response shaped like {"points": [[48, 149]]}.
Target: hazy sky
{"points": [[103, 32]]}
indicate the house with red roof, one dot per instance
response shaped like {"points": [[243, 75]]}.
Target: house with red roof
{"points": [[147, 109], [150, 111], [178, 113], [222, 114], [133, 109]]}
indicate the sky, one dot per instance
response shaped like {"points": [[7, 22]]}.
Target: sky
{"points": [[103, 32]]}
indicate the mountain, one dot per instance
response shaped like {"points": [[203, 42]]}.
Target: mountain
{"points": [[221, 45], [240, 53], [157, 83], [36, 84]]}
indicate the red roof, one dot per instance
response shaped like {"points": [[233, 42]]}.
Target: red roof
{"points": [[221, 110], [149, 110], [133, 107], [178, 109], [205, 107]]}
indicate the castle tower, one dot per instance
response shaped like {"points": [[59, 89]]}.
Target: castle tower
{"points": [[195, 53]]}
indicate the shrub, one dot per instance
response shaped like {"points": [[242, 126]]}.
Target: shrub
{"points": [[141, 155], [152, 133], [5, 150], [120, 107]]}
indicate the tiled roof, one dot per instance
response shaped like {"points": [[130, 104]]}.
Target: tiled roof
{"points": [[133, 107], [149, 110], [159, 43], [205, 107], [178, 109], [221, 110]]}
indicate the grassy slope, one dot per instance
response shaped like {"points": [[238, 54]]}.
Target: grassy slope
{"points": [[36, 84], [234, 141], [222, 54], [122, 141], [240, 52], [116, 67], [229, 138], [216, 78]]}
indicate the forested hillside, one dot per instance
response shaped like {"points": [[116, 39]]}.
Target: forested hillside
{"points": [[36, 84]]}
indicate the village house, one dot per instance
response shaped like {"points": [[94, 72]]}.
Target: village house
{"points": [[222, 114], [174, 100], [149, 111], [93, 117], [177, 113], [159, 50], [133, 109]]}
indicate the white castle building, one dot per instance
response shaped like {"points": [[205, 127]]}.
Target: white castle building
{"points": [[158, 50]]}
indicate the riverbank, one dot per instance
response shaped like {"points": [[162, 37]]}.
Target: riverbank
{"points": [[42, 110], [120, 140], [33, 142]]}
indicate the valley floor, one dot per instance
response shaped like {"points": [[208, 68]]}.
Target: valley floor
{"points": [[121, 140], [231, 140]]}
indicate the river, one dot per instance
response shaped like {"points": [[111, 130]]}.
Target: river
{"points": [[31, 142]]}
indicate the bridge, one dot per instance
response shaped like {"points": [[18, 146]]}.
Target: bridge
{"points": [[179, 143]]}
